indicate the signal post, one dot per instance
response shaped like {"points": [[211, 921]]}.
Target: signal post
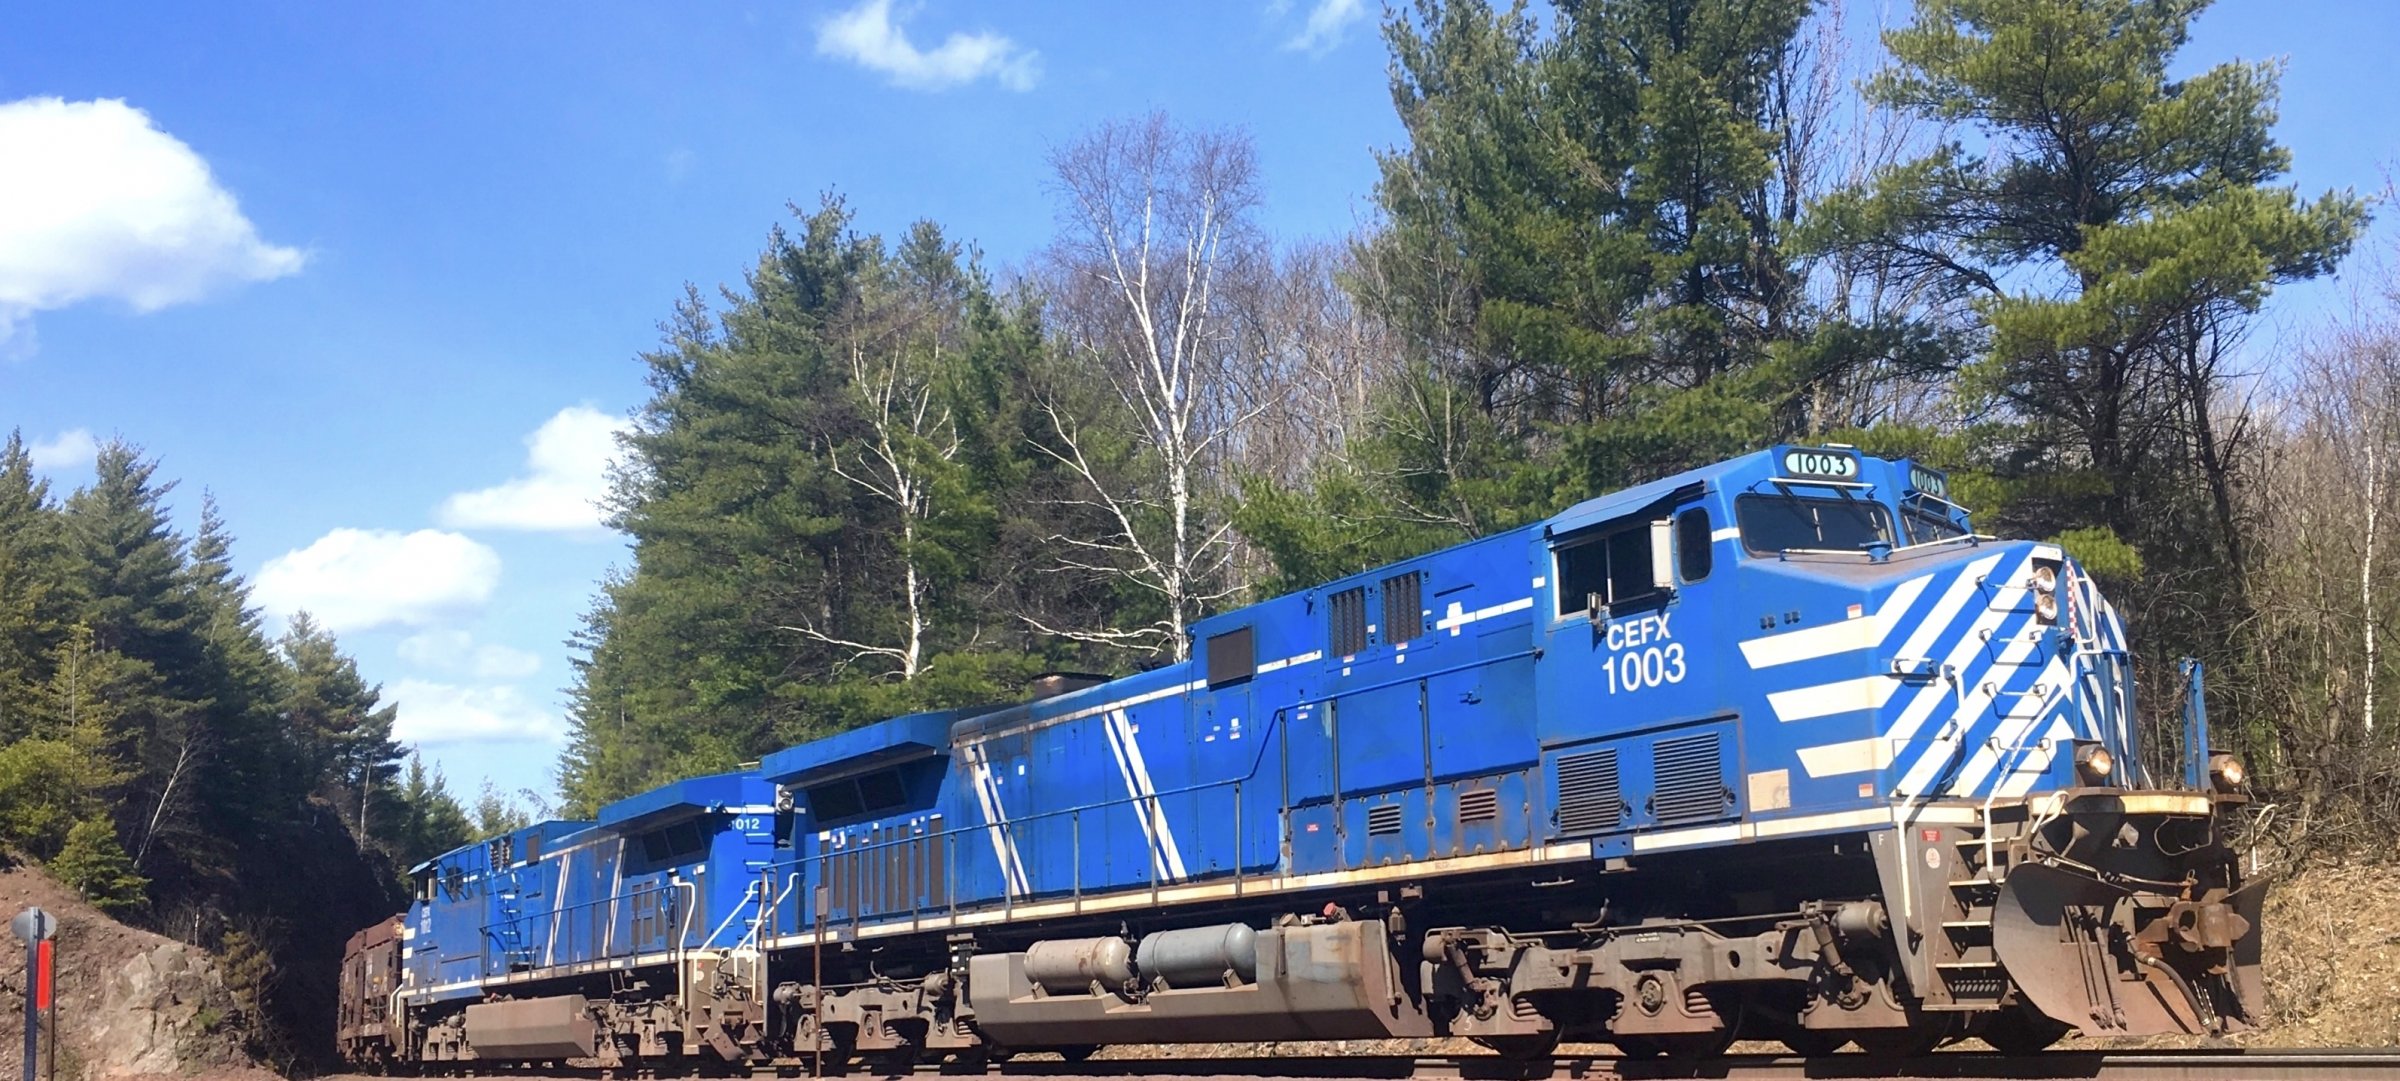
{"points": [[39, 930]]}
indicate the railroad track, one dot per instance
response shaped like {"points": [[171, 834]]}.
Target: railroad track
{"points": [[2233, 1064], [2261, 1064]]}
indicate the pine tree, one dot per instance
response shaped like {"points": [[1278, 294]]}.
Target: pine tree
{"points": [[1591, 253], [430, 820], [93, 863], [2111, 224], [255, 762], [128, 561], [342, 728], [32, 601]]}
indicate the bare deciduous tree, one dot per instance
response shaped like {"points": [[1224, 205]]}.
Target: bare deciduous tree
{"points": [[896, 339], [1148, 277], [2318, 517]]}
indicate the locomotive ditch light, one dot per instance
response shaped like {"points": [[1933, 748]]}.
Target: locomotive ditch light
{"points": [[2226, 772], [2093, 763]]}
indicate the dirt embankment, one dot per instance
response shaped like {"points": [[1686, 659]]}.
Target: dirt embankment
{"points": [[131, 1004], [2333, 956]]}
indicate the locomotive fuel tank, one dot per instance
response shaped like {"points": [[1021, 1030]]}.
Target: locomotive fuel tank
{"points": [[1334, 981]]}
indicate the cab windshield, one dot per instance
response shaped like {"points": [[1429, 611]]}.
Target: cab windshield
{"points": [[1780, 523], [1926, 524]]}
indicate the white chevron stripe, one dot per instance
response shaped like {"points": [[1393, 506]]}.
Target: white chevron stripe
{"points": [[2036, 764], [1166, 858], [1844, 637], [1974, 697], [1827, 699], [1966, 587], [1856, 756], [1004, 846], [2015, 721]]}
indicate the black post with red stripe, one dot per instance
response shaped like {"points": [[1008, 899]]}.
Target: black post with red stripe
{"points": [[39, 929]]}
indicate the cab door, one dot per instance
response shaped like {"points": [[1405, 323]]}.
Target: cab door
{"points": [[1634, 725]]}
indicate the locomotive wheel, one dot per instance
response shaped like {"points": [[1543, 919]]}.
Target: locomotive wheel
{"points": [[897, 1062], [1697, 1045], [1077, 1052], [1916, 1039], [1813, 1042], [1523, 1047], [2022, 1031]]}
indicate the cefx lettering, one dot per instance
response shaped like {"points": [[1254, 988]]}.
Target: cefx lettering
{"points": [[1649, 628], [1634, 663]]}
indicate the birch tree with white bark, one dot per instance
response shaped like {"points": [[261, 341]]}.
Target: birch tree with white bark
{"points": [[1150, 278], [895, 342]]}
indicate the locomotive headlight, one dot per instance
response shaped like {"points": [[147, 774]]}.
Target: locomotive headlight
{"points": [[2093, 763], [2044, 584], [2226, 770]]}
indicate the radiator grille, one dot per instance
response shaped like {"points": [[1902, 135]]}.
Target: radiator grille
{"points": [[1479, 805], [1383, 820], [1403, 611], [1588, 798], [1691, 778], [1348, 630]]}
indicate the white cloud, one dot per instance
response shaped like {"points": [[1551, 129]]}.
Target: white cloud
{"points": [[1327, 22], [566, 476], [448, 713], [456, 651], [353, 579], [71, 449], [869, 36], [97, 202]]}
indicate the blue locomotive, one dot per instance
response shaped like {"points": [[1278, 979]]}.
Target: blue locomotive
{"points": [[1778, 748]]}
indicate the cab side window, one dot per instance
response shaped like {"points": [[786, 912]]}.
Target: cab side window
{"points": [[1694, 543], [1611, 569]]}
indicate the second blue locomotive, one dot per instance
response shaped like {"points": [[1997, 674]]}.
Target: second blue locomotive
{"points": [[1777, 748]]}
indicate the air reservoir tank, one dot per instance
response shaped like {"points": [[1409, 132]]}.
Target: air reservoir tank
{"points": [[1199, 956], [1069, 966]]}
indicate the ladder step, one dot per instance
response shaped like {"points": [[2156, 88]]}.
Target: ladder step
{"points": [[1966, 966], [1967, 925]]}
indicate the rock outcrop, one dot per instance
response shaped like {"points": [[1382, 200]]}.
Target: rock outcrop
{"points": [[130, 1003]]}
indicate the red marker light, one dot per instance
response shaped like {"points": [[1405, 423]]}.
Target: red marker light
{"points": [[41, 978]]}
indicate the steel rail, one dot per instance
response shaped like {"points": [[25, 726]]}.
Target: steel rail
{"points": [[2229, 1064], [2245, 1064]]}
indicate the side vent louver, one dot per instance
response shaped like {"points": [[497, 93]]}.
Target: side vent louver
{"points": [[1383, 820], [1479, 805], [1691, 778], [1588, 797]]}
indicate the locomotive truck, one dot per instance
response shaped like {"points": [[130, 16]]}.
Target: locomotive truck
{"points": [[1777, 748]]}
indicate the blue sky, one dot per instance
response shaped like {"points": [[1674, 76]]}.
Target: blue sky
{"points": [[375, 275]]}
